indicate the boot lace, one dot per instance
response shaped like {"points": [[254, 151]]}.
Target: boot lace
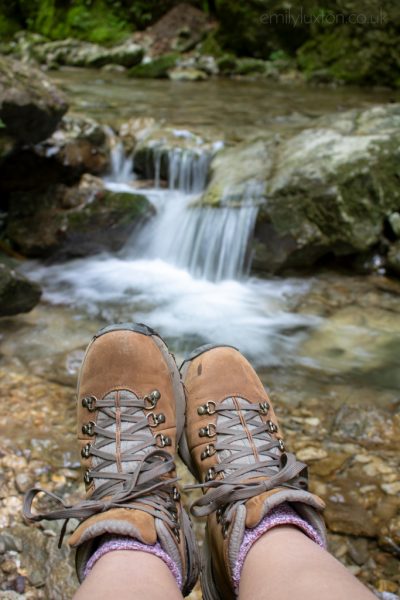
{"points": [[129, 462]]}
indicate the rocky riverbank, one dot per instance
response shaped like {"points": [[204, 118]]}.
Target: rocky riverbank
{"points": [[352, 449], [326, 195], [344, 42]]}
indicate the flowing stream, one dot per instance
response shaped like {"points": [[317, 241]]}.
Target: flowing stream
{"points": [[185, 272]]}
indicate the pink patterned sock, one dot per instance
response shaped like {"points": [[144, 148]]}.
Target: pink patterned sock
{"points": [[281, 515], [111, 543]]}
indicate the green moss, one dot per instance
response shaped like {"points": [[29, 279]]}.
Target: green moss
{"points": [[210, 46], [8, 27], [156, 69], [227, 64], [110, 207], [249, 66], [366, 56]]}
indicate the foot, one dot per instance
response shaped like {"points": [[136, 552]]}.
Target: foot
{"points": [[233, 445], [130, 416]]}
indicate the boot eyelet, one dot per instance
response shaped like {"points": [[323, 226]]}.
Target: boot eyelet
{"points": [[209, 431], [150, 401], [163, 440], [209, 451], [89, 402], [210, 474], [281, 445], [272, 427], [85, 452], [176, 494], [87, 478], [88, 428], [207, 409], [155, 420], [264, 408]]}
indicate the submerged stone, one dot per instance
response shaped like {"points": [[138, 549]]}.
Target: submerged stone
{"points": [[17, 293]]}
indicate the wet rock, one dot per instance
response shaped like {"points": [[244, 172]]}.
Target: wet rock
{"points": [[76, 221], [176, 155], [324, 192], [322, 197], [23, 481], [350, 519], [79, 144], [180, 74], [158, 68], [358, 550], [17, 293], [393, 259], [10, 542], [31, 106], [75, 53], [238, 175], [179, 30], [394, 222]]}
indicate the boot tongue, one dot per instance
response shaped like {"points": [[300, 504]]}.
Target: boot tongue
{"points": [[246, 426], [116, 447]]}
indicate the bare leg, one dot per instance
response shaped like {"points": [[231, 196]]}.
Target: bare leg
{"points": [[284, 564], [129, 575]]}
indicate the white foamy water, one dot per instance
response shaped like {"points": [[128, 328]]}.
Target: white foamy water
{"points": [[184, 273], [252, 316]]}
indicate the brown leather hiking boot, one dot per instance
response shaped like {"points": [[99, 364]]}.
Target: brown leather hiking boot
{"points": [[232, 444], [130, 415]]}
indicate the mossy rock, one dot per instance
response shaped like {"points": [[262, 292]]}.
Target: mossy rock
{"points": [[17, 293], [326, 192], [250, 66], [101, 221], [156, 69], [363, 57], [227, 64]]}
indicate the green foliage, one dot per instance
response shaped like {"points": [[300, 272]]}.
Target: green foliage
{"points": [[371, 57], [156, 69]]}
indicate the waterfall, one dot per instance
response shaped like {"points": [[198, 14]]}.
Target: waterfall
{"points": [[187, 170], [121, 164], [210, 242]]}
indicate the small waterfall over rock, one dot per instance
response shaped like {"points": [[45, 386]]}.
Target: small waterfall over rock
{"points": [[121, 164], [210, 242], [186, 170]]}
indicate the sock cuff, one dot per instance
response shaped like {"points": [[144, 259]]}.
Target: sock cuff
{"points": [[283, 514], [112, 543]]}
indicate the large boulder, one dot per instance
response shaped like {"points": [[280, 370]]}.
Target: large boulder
{"points": [[76, 221], [79, 145], [179, 30], [31, 106], [17, 293], [326, 191], [73, 52]]}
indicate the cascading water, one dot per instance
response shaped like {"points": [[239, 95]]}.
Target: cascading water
{"points": [[184, 271]]}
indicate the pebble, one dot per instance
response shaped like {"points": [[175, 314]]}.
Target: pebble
{"points": [[311, 453], [23, 481], [8, 566], [393, 489]]}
